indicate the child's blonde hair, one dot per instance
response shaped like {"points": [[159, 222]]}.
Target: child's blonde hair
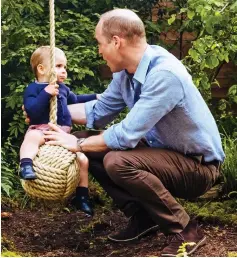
{"points": [[40, 55]]}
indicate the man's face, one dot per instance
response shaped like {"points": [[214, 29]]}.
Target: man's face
{"points": [[108, 50]]}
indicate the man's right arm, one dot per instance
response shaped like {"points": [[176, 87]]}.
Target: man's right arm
{"points": [[78, 113], [98, 113], [103, 111]]}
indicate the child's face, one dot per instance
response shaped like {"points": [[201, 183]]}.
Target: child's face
{"points": [[60, 68]]}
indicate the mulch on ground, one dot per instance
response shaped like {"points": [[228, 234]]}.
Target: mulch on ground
{"points": [[50, 233]]}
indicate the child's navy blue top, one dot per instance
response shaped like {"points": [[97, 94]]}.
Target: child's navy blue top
{"points": [[37, 100]]}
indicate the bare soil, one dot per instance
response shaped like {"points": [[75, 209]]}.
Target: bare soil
{"points": [[60, 233]]}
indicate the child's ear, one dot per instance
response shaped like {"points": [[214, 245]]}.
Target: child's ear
{"points": [[40, 69]]}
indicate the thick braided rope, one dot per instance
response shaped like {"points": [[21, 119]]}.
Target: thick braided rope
{"points": [[57, 174], [56, 168], [53, 76]]}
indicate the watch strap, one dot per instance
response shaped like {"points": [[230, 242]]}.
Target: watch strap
{"points": [[79, 142]]}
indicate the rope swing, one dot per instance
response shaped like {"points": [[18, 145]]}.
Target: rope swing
{"points": [[56, 168]]}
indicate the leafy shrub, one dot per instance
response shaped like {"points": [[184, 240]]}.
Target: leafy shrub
{"points": [[229, 168], [214, 26], [9, 161]]}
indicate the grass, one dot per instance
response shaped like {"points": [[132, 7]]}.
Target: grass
{"points": [[224, 212], [229, 168]]}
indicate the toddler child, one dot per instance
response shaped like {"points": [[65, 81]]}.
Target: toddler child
{"points": [[36, 102]]}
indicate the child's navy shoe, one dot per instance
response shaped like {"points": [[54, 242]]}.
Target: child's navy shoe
{"points": [[27, 172], [83, 203]]}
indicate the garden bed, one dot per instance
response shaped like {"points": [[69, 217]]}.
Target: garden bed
{"points": [[61, 232]]}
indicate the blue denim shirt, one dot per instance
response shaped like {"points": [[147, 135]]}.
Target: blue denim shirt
{"points": [[169, 113]]}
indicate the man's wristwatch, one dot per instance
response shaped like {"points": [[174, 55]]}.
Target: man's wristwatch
{"points": [[79, 142]]}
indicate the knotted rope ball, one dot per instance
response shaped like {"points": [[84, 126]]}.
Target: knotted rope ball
{"points": [[56, 168], [57, 174]]}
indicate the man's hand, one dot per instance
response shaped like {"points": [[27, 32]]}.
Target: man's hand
{"points": [[27, 119], [52, 89], [59, 137], [94, 143]]}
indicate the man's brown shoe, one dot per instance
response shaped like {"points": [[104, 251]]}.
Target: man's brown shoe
{"points": [[185, 242], [139, 225]]}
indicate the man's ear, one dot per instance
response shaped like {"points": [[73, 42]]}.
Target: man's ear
{"points": [[40, 69], [117, 41]]}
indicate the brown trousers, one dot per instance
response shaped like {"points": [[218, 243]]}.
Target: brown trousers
{"points": [[150, 179]]}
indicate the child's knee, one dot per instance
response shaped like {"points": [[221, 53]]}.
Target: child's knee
{"points": [[83, 160], [34, 135]]}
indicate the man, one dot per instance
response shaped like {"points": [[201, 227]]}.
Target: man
{"points": [[167, 146]]}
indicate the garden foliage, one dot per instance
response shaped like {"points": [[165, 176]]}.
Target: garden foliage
{"points": [[25, 26]]}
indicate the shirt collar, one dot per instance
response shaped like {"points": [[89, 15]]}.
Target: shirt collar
{"points": [[141, 72], [43, 83], [40, 82]]}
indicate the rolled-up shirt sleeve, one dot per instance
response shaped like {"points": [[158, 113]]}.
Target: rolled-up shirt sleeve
{"points": [[89, 109], [103, 111], [160, 93]]}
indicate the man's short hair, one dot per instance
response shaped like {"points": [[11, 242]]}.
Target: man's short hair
{"points": [[123, 23]]}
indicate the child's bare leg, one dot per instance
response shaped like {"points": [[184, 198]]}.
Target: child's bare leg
{"points": [[84, 165], [29, 148], [81, 200]]}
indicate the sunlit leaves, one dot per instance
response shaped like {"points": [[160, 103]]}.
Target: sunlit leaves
{"points": [[217, 39], [190, 14], [171, 19], [232, 93]]}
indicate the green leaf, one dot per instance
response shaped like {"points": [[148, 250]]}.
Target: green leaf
{"points": [[66, 209], [209, 28], [234, 6], [217, 13], [171, 19], [233, 90], [6, 188], [226, 57], [218, 3], [232, 93], [190, 14], [215, 61], [212, 61], [194, 54]]}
